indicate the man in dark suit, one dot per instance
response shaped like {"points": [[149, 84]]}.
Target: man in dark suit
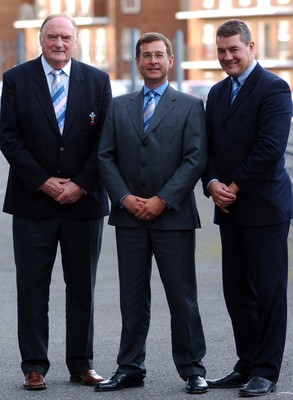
{"points": [[150, 169], [246, 178], [55, 195]]}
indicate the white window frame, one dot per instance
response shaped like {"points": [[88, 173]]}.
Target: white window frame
{"points": [[130, 6]]}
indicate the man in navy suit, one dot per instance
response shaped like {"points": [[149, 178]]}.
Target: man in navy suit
{"points": [[252, 192], [55, 196], [150, 173]]}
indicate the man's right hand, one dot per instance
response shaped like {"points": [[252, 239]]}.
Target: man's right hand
{"points": [[222, 195], [53, 186], [132, 203]]}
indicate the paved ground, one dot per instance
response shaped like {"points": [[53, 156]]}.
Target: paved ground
{"points": [[162, 381]]}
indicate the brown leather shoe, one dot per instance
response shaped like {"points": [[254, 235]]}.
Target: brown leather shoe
{"points": [[34, 381], [88, 377]]}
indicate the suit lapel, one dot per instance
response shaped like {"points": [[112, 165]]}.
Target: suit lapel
{"points": [[40, 86], [76, 88], [246, 89], [43, 94], [135, 111], [164, 106]]}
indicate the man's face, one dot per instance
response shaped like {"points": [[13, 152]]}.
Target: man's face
{"points": [[154, 63], [58, 39], [234, 56]]}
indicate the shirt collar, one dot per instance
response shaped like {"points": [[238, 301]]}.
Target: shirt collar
{"points": [[241, 78], [159, 90], [48, 68]]}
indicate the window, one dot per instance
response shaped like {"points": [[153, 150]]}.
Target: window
{"points": [[208, 4], [244, 3], [129, 38], [100, 46], [284, 39], [55, 7], [85, 7], [208, 42], [225, 4], [264, 32], [70, 7], [283, 2], [41, 11], [84, 46], [130, 6]]}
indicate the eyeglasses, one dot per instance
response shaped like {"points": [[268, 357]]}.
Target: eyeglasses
{"points": [[158, 56]]}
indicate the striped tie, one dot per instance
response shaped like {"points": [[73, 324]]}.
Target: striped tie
{"points": [[235, 89], [58, 97], [149, 110]]}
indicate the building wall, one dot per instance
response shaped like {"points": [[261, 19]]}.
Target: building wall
{"points": [[9, 13], [271, 24], [105, 41], [145, 20]]}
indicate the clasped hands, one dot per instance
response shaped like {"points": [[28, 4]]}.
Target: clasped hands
{"points": [[62, 190], [144, 209], [223, 195]]}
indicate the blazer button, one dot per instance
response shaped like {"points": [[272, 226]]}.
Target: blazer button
{"points": [[61, 148]]}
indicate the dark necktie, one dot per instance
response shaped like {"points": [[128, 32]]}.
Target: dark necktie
{"points": [[235, 89]]}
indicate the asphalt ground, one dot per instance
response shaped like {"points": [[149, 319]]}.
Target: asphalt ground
{"points": [[162, 381]]}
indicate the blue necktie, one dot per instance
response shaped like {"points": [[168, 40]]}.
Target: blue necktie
{"points": [[149, 110], [58, 97], [235, 89]]}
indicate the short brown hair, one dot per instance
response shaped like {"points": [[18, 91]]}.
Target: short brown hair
{"points": [[152, 37], [234, 27]]}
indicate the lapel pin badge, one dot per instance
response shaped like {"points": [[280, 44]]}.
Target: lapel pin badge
{"points": [[92, 116]]}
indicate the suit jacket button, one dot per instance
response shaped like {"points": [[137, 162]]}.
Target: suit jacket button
{"points": [[61, 148]]}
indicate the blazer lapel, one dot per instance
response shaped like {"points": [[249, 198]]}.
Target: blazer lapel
{"points": [[246, 89], [75, 92], [135, 111], [164, 106], [42, 93]]}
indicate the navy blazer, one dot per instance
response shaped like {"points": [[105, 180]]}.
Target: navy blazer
{"points": [[31, 141], [167, 160], [246, 143]]}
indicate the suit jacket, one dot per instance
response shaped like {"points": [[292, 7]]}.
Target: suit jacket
{"points": [[31, 142], [247, 142], [166, 161]]}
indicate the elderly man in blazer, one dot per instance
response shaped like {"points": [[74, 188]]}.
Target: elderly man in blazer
{"points": [[55, 195], [150, 169], [246, 178]]}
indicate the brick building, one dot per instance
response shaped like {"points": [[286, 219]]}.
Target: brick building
{"points": [[271, 24], [107, 28], [9, 11]]}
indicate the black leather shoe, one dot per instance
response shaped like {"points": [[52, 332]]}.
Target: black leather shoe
{"points": [[232, 380], [257, 386], [120, 381], [196, 384]]}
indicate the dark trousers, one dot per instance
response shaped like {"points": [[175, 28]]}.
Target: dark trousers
{"points": [[174, 252], [35, 247], [255, 274]]}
